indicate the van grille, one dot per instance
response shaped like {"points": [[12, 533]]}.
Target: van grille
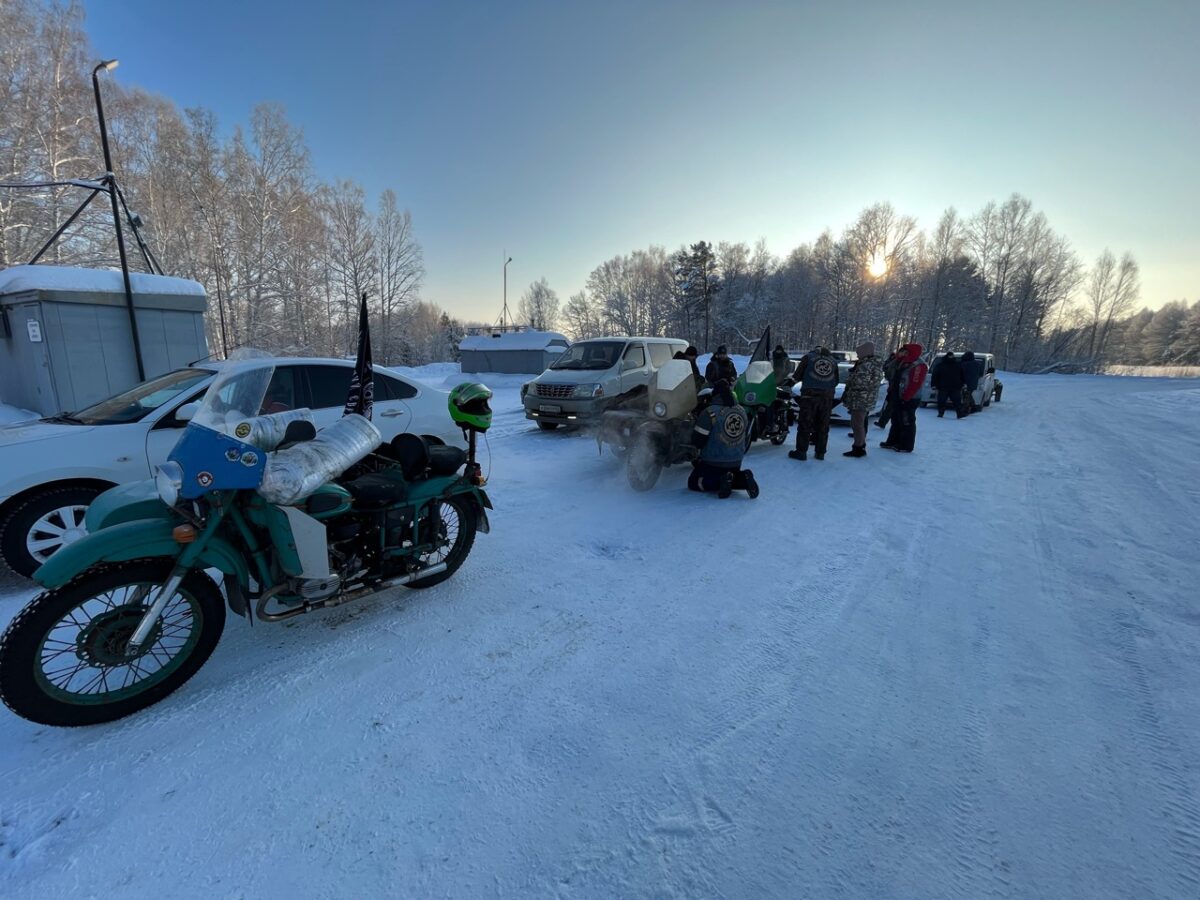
{"points": [[555, 391]]}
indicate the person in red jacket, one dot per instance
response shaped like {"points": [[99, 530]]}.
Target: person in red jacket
{"points": [[906, 387]]}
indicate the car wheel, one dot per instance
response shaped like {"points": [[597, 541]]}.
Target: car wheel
{"points": [[43, 524]]}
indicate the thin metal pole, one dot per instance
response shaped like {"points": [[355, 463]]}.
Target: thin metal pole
{"points": [[65, 225], [111, 180]]}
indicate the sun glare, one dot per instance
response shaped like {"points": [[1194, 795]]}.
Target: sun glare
{"points": [[878, 265]]}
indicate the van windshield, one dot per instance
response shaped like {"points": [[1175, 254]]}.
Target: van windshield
{"points": [[590, 355]]}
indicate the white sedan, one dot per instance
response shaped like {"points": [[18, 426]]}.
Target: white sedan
{"points": [[51, 469]]}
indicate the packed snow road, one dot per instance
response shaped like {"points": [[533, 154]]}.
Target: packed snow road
{"points": [[970, 672]]}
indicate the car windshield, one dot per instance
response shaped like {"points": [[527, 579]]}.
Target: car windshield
{"points": [[138, 402], [590, 355]]}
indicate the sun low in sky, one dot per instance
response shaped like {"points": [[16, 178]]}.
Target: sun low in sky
{"points": [[569, 133]]}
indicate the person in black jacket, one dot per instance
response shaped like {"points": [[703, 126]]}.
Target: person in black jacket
{"points": [[972, 370], [947, 380], [720, 366]]}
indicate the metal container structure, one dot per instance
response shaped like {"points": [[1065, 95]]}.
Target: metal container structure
{"points": [[65, 337], [525, 352]]}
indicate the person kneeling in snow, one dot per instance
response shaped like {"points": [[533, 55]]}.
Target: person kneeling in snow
{"points": [[721, 432]]}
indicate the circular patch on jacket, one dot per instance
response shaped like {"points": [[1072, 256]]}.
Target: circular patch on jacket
{"points": [[242, 430], [823, 367], [204, 479], [734, 427]]}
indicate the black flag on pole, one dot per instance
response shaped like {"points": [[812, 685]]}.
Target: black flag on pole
{"points": [[762, 350], [362, 384]]}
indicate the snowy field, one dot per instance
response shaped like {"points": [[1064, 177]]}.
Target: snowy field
{"points": [[970, 672]]}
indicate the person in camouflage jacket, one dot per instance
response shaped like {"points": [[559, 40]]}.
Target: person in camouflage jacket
{"points": [[861, 394]]}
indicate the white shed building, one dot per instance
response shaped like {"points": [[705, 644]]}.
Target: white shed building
{"points": [[511, 352]]}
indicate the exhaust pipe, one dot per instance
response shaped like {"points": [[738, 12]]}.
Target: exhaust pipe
{"points": [[308, 606]]}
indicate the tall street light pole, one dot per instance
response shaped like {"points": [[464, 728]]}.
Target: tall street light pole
{"points": [[504, 313], [110, 179]]}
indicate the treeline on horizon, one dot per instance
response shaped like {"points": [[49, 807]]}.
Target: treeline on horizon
{"points": [[1000, 280], [284, 256]]}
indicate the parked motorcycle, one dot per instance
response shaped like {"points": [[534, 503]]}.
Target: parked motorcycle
{"points": [[766, 403], [294, 521], [660, 435]]}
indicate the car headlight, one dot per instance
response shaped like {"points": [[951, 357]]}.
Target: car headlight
{"points": [[660, 409], [169, 481], [588, 390]]}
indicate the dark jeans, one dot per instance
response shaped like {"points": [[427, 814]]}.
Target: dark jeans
{"points": [[812, 422], [945, 398], [706, 478], [885, 414], [903, 434]]}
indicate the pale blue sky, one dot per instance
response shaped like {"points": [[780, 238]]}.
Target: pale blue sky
{"points": [[568, 132]]}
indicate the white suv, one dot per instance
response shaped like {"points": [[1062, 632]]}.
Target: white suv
{"points": [[51, 469]]}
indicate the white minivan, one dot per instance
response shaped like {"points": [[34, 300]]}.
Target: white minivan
{"points": [[980, 397], [593, 376]]}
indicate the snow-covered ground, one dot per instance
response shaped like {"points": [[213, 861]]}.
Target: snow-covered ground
{"points": [[970, 672], [11, 414]]}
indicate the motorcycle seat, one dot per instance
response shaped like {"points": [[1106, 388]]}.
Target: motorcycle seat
{"points": [[376, 490], [421, 455]]}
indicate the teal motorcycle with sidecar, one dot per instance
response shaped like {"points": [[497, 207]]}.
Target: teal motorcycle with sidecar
{"points": [[289, 519]]}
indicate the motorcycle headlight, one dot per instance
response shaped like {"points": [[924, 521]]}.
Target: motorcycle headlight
{"points": [[169, 481], [660, 409], [588, 390]]}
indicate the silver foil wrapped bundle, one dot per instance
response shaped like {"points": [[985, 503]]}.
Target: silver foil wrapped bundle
{"points": [[294, 473]]}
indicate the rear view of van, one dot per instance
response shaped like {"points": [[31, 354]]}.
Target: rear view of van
{"points": [[593, 376]]}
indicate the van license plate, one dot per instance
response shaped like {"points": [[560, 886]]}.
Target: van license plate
{"points": [[550, 409]]}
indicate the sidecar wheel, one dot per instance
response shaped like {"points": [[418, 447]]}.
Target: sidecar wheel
{"points": [[63, 659], [459, 524]]}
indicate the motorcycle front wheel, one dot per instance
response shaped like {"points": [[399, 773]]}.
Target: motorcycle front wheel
{"points": [[65, 660], [644, 463], [456, 526]]}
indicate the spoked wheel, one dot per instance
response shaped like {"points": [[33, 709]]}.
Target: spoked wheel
{"points": [[644, 464], [456, 527], [66, 660]]}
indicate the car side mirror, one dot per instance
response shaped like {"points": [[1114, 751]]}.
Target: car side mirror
{"points": [[991, 370], [187, 412]]}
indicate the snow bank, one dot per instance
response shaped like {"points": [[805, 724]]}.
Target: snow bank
{"points": [[11, 414], [70, 278]]}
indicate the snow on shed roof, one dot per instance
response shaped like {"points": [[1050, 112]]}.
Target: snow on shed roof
{"points": [[514, 340], [108, 281]]}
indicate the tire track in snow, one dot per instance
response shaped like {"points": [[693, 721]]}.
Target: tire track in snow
{"points": [[1180, 810]]}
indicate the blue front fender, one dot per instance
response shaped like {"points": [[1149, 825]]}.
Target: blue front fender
{"points": [[138, 539]]}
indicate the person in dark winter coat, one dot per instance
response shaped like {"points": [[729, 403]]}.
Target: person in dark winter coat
{"points": [[947, 380], [972, 370], [817, 375], [890, 366], [781, 365], [906, 390], [691, 353], [699, 379], [721, 433], [720, 366]]}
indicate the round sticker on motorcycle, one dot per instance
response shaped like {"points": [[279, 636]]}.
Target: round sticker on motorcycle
{"points": [[243, 430], [249, 459], [823, 367], [751, 397], [734, 427], [232, 454], [204, 479]]}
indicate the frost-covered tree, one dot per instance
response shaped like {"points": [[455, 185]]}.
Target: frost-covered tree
{"points": [[539, 306]]}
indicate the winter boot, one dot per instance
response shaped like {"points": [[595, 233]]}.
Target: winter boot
{"points": [[856, 451], [751, 484], [941, 414], [820, 456], [797, 454], [726, 487]]}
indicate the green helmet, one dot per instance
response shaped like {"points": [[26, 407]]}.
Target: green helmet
{"points": [[469, 406]]}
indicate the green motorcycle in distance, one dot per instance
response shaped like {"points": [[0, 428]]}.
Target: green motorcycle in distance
{"points": [[291, 520]]}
